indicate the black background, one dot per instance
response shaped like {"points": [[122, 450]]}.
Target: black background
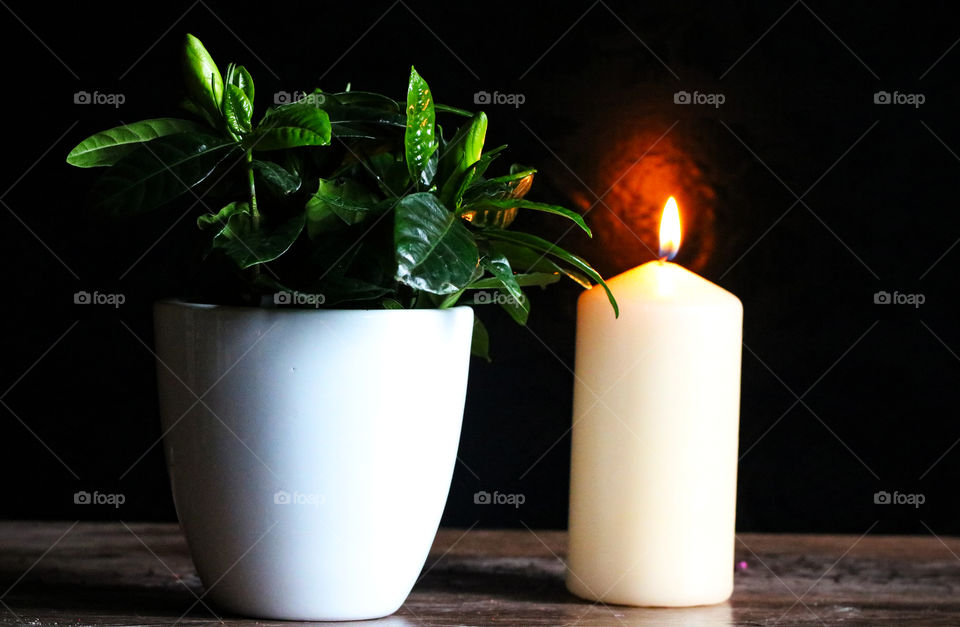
{"points": [[878, 211]]}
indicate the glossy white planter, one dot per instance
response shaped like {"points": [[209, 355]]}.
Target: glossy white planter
{"points": [[311, 476]]}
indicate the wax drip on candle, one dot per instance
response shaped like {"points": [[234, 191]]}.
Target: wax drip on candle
{"points": [[669, 230]]}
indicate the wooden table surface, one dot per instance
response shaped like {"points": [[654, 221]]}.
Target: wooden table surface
{"points": [[140, 574]]}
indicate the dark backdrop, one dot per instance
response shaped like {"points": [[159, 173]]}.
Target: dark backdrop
{"points": [[800, 194]]}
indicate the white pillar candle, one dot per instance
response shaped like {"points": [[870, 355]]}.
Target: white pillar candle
{"points": [[655, 430]]}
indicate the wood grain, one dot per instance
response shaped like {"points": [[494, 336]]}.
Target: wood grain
{"points": [[141, 574]]}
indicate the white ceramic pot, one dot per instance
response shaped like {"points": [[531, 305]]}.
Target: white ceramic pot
{"points": [[310, 476]]}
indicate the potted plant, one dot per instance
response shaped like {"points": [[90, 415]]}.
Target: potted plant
{"points": [[309, 469]]}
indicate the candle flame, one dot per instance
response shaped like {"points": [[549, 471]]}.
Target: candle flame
{"points": [[670, 230]]}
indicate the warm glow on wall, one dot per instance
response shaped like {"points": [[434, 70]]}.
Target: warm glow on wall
{"points": [[640, 165]]}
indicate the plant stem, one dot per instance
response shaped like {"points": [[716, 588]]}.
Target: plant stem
{"points": [[254, 212]]}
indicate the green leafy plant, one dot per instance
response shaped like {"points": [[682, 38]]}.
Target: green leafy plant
{"points": [[350, 195]]}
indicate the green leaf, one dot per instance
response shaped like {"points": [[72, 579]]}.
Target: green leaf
{"points": [[238, 212], [237, 111], [473, 142], [340, 289], [290, 126], [519, 310], [320, 217], [479, 212], [497, 265], [212, 121], [515, 203], [160, 170], [480, 167], [365, 99], [203, 80], [539, 244], [239, 76], [233, 223], [389, 303], [480, 344], [356, 114], [435, 252], [517, 172], [347, 199], [420, 142], [456, 156], [475, 173], [451, 299], [278, 180], [442, 108], [249, 246], [516, 303], [463, 151], [539, 279], [358, 123], [391, 174], [108, 147], [507, 186], [533, 263]]}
